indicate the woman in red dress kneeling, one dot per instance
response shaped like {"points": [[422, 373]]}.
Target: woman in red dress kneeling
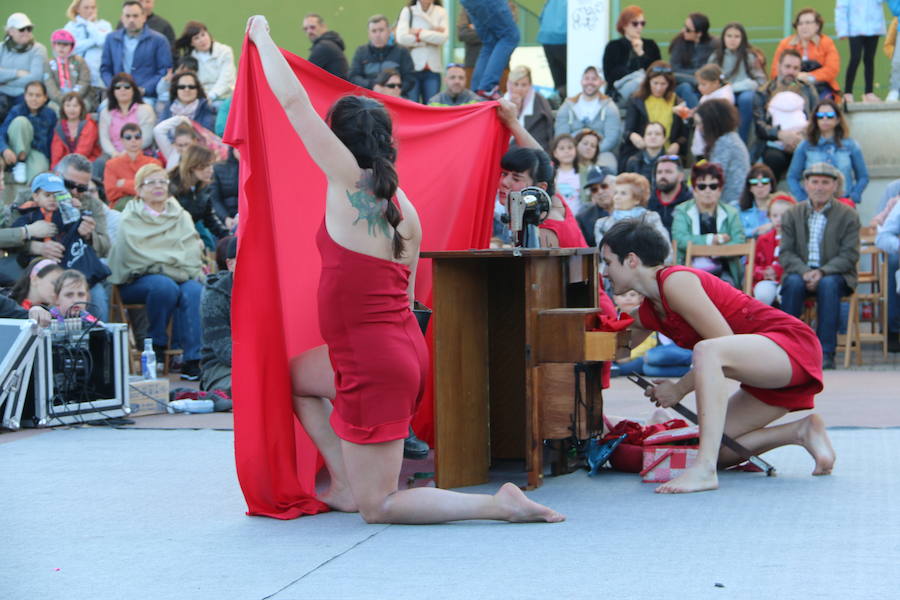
{"points": [[776, 357], [356, 394]]}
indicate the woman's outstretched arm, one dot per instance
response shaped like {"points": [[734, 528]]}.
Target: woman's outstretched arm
{"points": [[323, 146]]}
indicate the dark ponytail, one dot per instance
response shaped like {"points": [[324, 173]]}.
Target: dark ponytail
{"points": [[364, 127]]}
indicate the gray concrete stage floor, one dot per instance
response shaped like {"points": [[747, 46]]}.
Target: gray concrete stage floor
{"points": [[146, 512]]}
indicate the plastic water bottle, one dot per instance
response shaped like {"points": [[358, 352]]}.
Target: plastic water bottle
{"points": [[148, 360], [191, 406]]}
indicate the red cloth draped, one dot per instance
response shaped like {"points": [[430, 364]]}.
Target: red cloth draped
{"points": [[448, 165]]}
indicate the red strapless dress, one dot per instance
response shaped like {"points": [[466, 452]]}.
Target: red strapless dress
{"points": [[745, 314], [374, 342]]}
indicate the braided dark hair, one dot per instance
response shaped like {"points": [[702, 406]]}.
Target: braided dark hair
{"points": [[364, 126]]}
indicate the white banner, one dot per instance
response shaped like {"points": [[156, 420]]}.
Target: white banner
{"points": [[588, 33]]}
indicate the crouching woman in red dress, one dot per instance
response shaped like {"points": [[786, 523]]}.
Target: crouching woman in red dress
{"points": [[374, 359], [776, 358]]}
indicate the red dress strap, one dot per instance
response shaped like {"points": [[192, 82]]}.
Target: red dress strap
{"points": [[396, 203]]}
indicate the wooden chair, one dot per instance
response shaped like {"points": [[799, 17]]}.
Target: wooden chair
{"points": [[871, 272], [119, 313], [747, 250]]}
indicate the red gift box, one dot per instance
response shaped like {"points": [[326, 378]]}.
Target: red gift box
{"points": [[662, 460]]}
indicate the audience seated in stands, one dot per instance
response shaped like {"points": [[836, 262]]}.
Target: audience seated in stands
{"points": [[75, 131], [712, 85], [599, 184], [706, 220], [379, 54], [718, 120], [215, 321], [90, 33], [534, 110], [819, 252], [155, 22], [592, 110], [669, 189], [36, 285], [215, 61], [630, 202], [136, 49], [758, 192], [653, 141], [626, 59], [654, 100], [73, 297], [742, 69], [828, 140], [26, 133], [389, 82], [125, 104], [767, 271], [21, 61], [173, 136], [223, 190], [66, 72], [51, 203], [689, 51], [119, 172], [189, 184], [327, 49], [157, 261], [189, 100], [567, 182], [781, 112], [821, 60], [455, 93]]}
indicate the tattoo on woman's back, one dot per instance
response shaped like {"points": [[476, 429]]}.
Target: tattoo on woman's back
{"points": [[371, 209]]}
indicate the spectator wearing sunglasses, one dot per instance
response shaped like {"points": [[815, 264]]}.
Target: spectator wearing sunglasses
{"points": [[626, 59], [389, 83], [706, 220], [75, 131], [758, 192], [827, 140], [125, 104], [668, 188], [21, 61], [119, 172], [689, 51], [189, 100], [600, 184]]}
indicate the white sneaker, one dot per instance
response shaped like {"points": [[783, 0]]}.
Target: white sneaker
{"points": [[19, 173], [893, 96]]}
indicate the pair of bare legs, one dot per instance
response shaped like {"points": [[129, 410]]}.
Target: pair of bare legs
{"points": [[757, 361], [364, 477]]}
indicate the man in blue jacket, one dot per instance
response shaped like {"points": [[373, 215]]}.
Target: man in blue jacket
{"points": [[137, 50]]}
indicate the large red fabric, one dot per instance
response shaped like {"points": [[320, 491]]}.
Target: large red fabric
{"points": [[448, 165]]}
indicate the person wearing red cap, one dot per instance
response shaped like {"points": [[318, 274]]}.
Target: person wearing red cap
{"points": [[66, 72]]}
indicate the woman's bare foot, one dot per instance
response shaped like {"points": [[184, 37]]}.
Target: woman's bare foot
{"points": [[815, 439], [517, 508], [693, 479], [871, 98], [339, 499]]}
